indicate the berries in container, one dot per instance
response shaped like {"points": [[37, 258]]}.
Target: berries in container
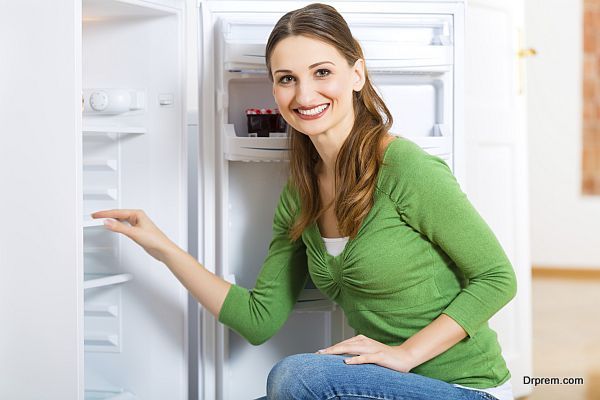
{"points": [[263, 121]]}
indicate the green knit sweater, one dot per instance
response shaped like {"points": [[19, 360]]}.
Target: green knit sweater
{"points": [[422, 250]]}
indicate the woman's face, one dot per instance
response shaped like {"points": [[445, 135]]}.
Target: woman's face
{"points": [[313, 85]]}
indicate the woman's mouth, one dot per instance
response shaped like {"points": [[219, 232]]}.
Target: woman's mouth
{"points": [[312, 113]]}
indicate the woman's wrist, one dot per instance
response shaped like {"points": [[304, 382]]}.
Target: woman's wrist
{"points": [[169, 252], [403, 353]]}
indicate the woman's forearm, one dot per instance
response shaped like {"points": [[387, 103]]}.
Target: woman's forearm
{"points": [[206, 287], [437, 337]]}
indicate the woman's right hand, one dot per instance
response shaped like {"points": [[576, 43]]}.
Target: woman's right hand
{"points": [[141, 229]]}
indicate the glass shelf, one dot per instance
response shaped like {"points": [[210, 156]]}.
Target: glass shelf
{"points": [[108, 394], [101, 280]]}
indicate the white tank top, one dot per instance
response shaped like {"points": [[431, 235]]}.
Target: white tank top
{"points": [[335, 246]]}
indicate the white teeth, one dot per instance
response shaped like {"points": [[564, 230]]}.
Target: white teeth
{"points": [[313, 111]]}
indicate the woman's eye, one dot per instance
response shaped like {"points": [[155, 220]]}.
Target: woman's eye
{"points": [[323, 72], [284, 79]]}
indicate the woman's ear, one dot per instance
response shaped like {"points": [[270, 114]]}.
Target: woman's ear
{"points": [[358, 74]]}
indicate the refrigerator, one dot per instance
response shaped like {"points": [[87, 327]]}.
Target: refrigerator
{"points": [[97, 116]]}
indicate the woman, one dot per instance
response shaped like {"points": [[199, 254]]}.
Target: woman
{"points": [[382, 228]]}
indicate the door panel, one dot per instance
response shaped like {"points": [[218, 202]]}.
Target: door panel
{"points": [[496, 170]]}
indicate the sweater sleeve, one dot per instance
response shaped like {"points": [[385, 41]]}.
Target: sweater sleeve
{"points": [[259, 313], [431, 201]]}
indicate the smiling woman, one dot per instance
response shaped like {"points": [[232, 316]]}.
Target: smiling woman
{"points": [[420, 272], [334, 113]]}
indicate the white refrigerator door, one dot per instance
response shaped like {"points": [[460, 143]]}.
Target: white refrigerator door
{"points": [[497, 162], [41, 298], [140, 346]]}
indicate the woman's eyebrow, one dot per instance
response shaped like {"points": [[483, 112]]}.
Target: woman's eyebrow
{"points": [[309, 67]]}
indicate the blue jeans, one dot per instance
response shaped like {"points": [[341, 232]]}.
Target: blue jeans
{"points": [[326, 376]]}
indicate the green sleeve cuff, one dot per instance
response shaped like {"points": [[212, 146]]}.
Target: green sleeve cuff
{"points": [[456, 315], [236, 297]]}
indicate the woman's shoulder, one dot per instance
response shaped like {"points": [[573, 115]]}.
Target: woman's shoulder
{"points": [[406, 165], [400, 150]]}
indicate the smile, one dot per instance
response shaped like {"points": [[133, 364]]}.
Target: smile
{"points": [[312, 113]]}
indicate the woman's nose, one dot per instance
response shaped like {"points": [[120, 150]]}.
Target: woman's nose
{"points": [[305, 93]]}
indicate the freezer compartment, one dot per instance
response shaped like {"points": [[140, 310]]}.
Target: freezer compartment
{"points": [[390, 42]]}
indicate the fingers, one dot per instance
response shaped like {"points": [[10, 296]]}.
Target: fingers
{"points": [[343, 344], [132, 216], [350, 348], [118, 227], [373, 358]]}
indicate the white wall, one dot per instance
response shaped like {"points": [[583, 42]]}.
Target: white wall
{"points": [[564, 224]]}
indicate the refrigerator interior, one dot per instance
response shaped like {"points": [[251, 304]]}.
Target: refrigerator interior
{"points": [[134, 308], [417, 87], [250, 191]]}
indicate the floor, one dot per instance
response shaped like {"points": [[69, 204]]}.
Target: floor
{"points": [[566, 337]]}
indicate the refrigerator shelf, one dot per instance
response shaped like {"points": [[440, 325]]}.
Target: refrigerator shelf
{"points": [[100, 165], [314, 305], [93, 223], [105, 394], [239, 148], [435, 145], [313, 300], [103, 340], [101, 310], [311, 295], [97, 249], [99, 194], [96, 10], [113, 131], [101, 280]]}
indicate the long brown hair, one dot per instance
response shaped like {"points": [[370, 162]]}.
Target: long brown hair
{"points": [[359, 158]]}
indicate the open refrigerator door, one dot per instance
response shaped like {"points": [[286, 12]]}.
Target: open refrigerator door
{"points": [[133, 156]]}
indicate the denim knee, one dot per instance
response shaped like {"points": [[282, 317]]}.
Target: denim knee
{"points": [[288, 379]]}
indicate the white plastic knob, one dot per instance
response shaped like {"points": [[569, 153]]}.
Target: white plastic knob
{"points": [[99, 101]]}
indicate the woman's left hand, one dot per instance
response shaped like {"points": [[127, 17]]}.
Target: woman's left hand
{"points": [[370, 351]]}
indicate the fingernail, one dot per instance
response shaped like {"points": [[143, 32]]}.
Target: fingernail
{"points": [[321, 351], [107, 222], [346, 360]]}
